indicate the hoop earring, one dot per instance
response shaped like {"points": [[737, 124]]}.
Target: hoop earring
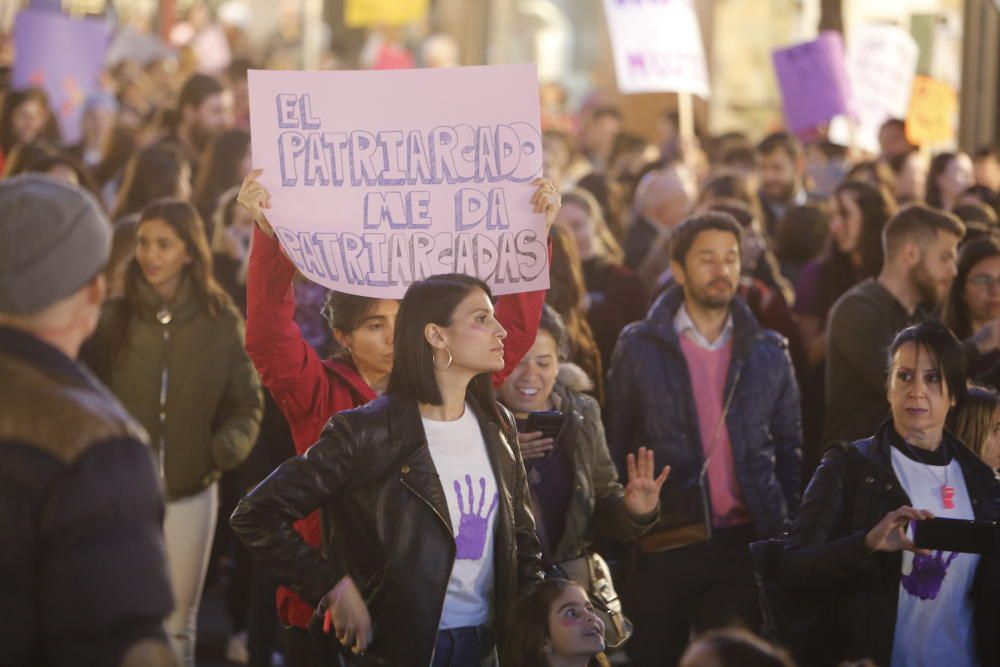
{"points": [[434, 361]]}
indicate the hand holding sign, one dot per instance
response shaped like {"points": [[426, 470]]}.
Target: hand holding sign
{"points": [[254, 197], [369, 195]]}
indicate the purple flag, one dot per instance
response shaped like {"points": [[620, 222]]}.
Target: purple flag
{"points": [[813, 81], [64, 56]]}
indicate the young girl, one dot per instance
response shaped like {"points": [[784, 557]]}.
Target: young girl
{"points": [[554, 626]]}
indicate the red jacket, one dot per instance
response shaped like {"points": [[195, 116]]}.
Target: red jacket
{"points": [[309, 390]]}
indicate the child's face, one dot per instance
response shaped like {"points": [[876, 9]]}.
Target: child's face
{"points": [[574, 629]]}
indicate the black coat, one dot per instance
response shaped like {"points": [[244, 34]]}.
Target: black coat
{"points": [[651, 404], [385, 523], [857, 592]]}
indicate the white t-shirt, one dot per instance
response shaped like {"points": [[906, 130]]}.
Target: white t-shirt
{"points": [[934, 615], [459, 454]]}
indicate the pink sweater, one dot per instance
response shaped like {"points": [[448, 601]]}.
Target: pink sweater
{"points": [[708, 370]]}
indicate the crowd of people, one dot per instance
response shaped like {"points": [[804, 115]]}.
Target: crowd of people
{"points": [[757, 364]]}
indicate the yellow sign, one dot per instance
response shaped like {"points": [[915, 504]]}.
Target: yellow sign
{"points": [[365, 13], [931, 118]]}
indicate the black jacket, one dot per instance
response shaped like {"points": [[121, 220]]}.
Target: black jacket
{"points": [[83, 578], [826, 561], [385, 523], [651, 404]]}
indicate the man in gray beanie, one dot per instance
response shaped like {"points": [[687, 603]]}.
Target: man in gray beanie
{"points": [[83, 568]]}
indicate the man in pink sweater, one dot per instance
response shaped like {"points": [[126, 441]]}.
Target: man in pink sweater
{"points": [[714, 395]]}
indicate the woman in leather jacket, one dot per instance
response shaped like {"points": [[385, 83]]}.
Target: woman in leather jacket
{"points": [[851, 553], [428, 533]]}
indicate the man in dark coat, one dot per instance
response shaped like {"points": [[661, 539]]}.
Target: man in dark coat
{"points": [[83, 576]]}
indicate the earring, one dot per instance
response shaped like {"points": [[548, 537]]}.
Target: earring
{"points": [[446, 366]]}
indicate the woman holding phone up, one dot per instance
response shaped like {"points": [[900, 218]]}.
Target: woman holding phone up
{"points": [[851, 550]]}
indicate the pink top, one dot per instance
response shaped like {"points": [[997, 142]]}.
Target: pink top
{"points": [[708, 370]]}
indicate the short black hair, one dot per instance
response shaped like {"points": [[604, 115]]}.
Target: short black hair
{"points": [[986, 152], [433, 300], [977, 212], [894, 123], [782, 141], [946, 352], [918, 222], [685, 234], [606, 110], [197, 89]]}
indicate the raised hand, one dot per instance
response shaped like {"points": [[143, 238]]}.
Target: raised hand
{"points": [[546, 200], [348, 615], [254, 197], [642, 492], [890, 533]]}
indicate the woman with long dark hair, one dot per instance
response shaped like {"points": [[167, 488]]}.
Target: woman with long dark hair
{"points": [[310, 389], [974, 301], [153, 173], [431, 535], [26, 116], [171, 349], [948, 175], [225, 163]]}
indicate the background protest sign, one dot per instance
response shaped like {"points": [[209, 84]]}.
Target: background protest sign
{"points": [[367, 13], [813, 82], [62, 55], [931, 117], [378, 179], [657, 46], [881, 64]]}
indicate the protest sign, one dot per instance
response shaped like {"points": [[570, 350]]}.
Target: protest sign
{"points": [[813, 82], [657, 46], [63, 56], [378, 179], [881, 64], [367, 13], [931, 117]]}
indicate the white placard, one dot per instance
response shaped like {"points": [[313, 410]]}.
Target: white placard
{"points": [[657, 46], [881, 64]]}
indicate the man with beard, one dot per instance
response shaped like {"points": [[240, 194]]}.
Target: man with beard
{"points": [[781, 173], [921, 250], [204, 111], [714, 396]]}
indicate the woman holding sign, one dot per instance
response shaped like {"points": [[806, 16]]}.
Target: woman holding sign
{"points": [[309, 390], [430, 537]]}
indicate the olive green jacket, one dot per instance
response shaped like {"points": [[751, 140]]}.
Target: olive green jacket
{"points": [[186, 377]]}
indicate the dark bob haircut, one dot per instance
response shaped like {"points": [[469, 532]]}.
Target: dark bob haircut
{"points": [[433, 301], [945, 350], [685, 234]]}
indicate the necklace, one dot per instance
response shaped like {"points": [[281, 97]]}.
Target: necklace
{"points": [[947, 491]]}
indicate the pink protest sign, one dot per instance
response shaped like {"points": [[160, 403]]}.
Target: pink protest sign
{"points": [[381, 178], [813, 81]]}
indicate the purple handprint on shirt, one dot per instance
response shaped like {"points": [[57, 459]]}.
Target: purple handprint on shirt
{"points": [[471, 538], [925, 579]]}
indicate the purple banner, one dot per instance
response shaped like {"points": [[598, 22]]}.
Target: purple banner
{"points": [[813, 81], [64, 56]]}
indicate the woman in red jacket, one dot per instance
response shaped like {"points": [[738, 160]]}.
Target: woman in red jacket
{"points": [[310, 390]]}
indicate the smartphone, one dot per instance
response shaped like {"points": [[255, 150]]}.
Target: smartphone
{"points": [[971, 537], [549, 422]]}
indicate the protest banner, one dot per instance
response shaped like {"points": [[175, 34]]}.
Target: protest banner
{"points": [[931, 117], [368, 13], [378, 179], [657, 46], [813, 82], [62, 55], [881, 64]]}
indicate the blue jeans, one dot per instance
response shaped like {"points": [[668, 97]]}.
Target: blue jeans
{"points": [[465, 647]]}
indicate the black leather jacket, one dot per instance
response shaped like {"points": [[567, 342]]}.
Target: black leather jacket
{"points": [[385, 523], [827, 563]]}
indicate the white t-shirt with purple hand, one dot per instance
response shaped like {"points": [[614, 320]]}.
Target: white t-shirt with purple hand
{"points": [[459, 454]]}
